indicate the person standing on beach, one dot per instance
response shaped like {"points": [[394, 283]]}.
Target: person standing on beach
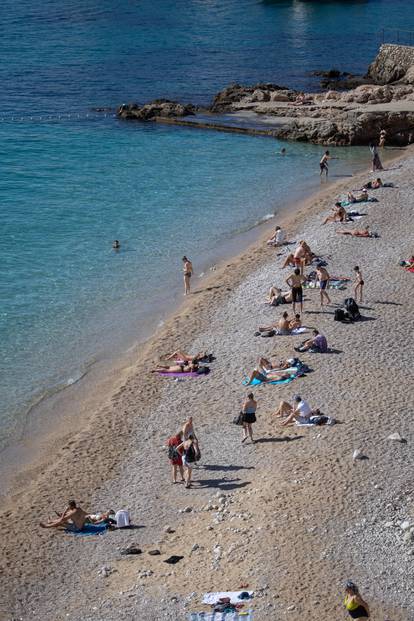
{"points": [[188, 453], [376, 162], [248, 416], [353, 602], [322, 277], [359, 284], [175, 457], [188, 432], [188, 271], [295, 282], [323, 164]]}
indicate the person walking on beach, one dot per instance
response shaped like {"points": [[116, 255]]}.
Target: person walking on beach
{"points": [[188, 271], [188, 453], [353, 602], [359, 283], [322, 277], [295, 282], [175, 457], [248, 416], [323, 164], [376, 162]]}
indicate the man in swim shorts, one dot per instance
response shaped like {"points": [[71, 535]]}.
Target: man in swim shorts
{"points": [[295, 281], [73, 516]]}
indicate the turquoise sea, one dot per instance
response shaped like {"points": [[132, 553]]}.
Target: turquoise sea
{"points": [[72, 180]]}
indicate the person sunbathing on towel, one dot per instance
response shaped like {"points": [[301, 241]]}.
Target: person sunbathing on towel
{"points": [[356, 233], [270, 375], [73, 516], [180, 356], [360, 198], [276, 296], [339, 214], [184, 367]]}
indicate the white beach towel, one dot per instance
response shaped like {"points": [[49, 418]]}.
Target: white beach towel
{"points": [[298, 330], [245, 615], [213, 598]]}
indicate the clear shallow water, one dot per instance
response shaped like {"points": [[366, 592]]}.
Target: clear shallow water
{"points": [[70, 186]]}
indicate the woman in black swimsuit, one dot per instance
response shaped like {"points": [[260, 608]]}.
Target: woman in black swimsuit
{"points": [[359, 283], [188, 270]]}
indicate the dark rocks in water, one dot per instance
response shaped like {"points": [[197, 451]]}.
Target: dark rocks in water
{"points": [[234, 93], [157, 108], [336, 80], [331, 74]]}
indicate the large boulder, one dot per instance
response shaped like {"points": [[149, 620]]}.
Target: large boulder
{"points": [[157, 108], [236, 93]]}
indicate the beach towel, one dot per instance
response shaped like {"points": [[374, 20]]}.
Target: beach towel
{"points": [[186, 374], [245, 615], [257, 382], [371, 199], [213, 598], [88, 529], [299, 330]]}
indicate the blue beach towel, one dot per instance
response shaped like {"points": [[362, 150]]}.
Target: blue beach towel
{"points": [[88, 529], [257, 382]]}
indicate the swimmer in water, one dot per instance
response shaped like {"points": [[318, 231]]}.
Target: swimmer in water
{"points": [[116, 245]]}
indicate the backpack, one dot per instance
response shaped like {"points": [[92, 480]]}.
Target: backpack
{"points": [[172, 452], [339, 315], [190, 454], [352, 308]]}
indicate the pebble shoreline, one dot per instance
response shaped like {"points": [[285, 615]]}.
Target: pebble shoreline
{"points": [[293, 515]]}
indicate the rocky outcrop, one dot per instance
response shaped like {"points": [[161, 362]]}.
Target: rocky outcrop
{"points": [[236, 94], [163, 108], [391, 64]]}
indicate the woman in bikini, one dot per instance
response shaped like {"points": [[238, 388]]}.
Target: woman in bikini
{"points": [[183, 367], [357, 233], [188, 271], [359, 283]]}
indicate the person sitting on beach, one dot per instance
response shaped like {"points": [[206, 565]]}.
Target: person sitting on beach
{"points": [[300, 411], [353, 602], [295, 323], [339, 214], [278, 238], [357, 232], [184, 367], [317, 344], [303, 255], [276, 296], [72, 516], [281, 326], [265, 365], [374, 185]]}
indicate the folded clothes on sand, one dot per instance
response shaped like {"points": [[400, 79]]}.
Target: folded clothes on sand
{"points": [[233, 596]]}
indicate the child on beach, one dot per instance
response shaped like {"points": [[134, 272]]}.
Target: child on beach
{"points": [[359, 283]]}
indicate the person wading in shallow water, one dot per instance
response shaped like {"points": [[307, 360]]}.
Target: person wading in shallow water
{"points": [[188, 271]]}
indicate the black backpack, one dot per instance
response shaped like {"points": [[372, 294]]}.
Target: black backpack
{"points": [[339, 315], [172, 452], [352, 308]]}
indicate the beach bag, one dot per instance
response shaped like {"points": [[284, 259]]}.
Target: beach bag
{"points": [[339, 315], [268, 333], [122, 518], [352, 308], [190, 454], [238, 420], [172, 452]]}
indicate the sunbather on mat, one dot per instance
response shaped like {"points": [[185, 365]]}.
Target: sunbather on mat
{"points": [[180, 356], [359, 233], [72, 515], [360, 198], [271, 375], [184, 367]]}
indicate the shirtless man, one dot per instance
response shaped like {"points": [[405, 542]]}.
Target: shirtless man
{"points": [[184, 367], [72, 513], [322, 277], [281, 327], [188, 432], [323, 164], [295, 281], [356, 233], [339, 214]]}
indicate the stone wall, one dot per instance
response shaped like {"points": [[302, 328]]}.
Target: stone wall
{"points": [[392, 63]]}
